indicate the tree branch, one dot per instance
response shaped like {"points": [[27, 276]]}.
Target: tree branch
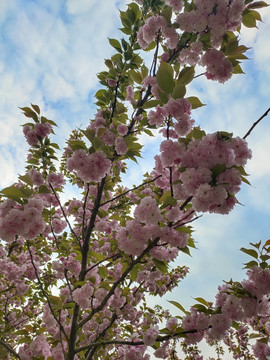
{"points": [[64, 214], [138, 343], [126, 192], [45, 293], [9, 348], [256, 123], [122, 278]]}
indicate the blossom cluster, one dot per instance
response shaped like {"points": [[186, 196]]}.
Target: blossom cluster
{"points": [[26, 221], [218, 67], [148, 32], [179, 109], [217, 16], [38, 132], [253, 301], [206, 169], [89, 167]]}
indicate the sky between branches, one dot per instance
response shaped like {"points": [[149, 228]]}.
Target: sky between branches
{"points": [[50, 52]]}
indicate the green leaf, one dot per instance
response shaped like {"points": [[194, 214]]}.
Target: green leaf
{"points": [[26, 192], [77, 144], [164, 196], [28, 112], [115, 44], [231, 46], [148, 132], [165, 77], [186, 75], [144, 71], [241, 49], [27, 179], [179, 91], [185, 229], [196, 133], [162, 266], [179, 306], [237, 69], [43, 190], [135, 76], [36, 108], [169, 200], [264, 257], [103, 272], [245, 180], [131, 16], [195, 102], [185, 250], [126, 23], [250, 252], [202, 300], [256, 15], [249, 20], [134, 273], [257, 5], [44, 119], [200, 308], [135, 8], [54, 145], [167, 13], [217, 170], [13, 192], [150, 104], [163, 97], [54, 300]]}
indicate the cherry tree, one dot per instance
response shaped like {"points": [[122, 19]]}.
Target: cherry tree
{"points": [[76, 275]]}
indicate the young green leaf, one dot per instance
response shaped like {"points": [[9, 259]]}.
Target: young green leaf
{"points": [[165, 77]]}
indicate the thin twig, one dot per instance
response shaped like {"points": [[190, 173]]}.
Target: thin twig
{"points": [[45, 292], [9, 348], [154, 63], [121, 279], [137, 343], [64, 214], [256, 123], [188, 222], [126, 192], [186, 202], [115, 100], [84, 208]]}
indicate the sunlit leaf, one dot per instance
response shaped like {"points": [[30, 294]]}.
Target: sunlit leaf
{"points": [[165, 77], [186, 75], [179, 306], [257, 5], [162, 266], [250, 252], [115, 44], [195, 102]]}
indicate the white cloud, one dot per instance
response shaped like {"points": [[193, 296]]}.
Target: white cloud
{"points": [[76, 7], [57, 88]]}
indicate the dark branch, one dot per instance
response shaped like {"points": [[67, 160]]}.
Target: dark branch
{"points": [[126, 192], [256, 123], [9, 348]]}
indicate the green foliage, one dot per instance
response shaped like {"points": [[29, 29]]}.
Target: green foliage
{"points": [[250, 18], [154, 5], [179, 306], [186, 75], [195, 102], [165, 77]]}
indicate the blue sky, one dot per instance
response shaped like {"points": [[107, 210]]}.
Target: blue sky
{"points": [[50, 52]]}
